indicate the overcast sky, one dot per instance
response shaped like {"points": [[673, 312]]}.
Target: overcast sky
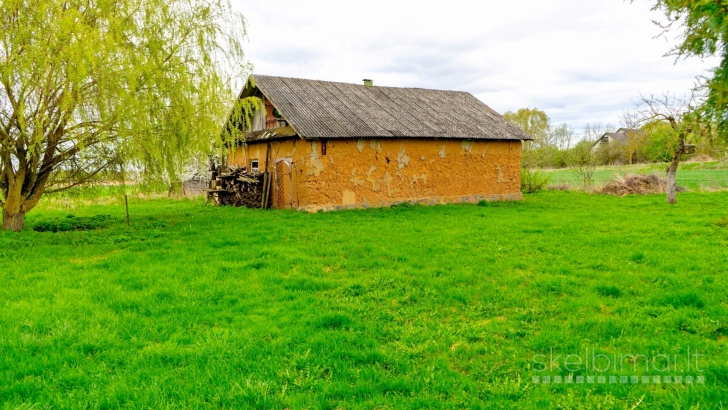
{"points": [[581, 61]]}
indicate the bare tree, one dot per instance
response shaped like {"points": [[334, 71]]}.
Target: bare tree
{"points": [[582, 158], [681, 116], [583, 161], [636, 137], [561, 136], [592, 132]]}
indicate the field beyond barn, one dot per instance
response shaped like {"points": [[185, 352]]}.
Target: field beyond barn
{"points": [[404, 307], [695, 176]]}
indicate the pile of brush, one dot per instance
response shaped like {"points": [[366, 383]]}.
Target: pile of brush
{"points": [[635, 184], [238, 187]]}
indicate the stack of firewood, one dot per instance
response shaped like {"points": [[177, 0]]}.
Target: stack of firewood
{"points": [[238, 187]]}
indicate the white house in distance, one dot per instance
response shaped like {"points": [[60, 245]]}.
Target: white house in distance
{"points": [[620, 137], [623, 137]]}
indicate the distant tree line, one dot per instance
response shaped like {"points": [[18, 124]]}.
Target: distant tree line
{"points": [[651, 140]]}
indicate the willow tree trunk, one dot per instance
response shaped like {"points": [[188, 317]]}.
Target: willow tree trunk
{"points": [[671, 187], [13, 212], [18, 200], [13, 221], [13, 181]]}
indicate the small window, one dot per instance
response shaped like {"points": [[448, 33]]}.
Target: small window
{"points": [[254, 165]]}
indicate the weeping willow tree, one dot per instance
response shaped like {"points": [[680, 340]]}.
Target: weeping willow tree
{"points": [[90, 88]]}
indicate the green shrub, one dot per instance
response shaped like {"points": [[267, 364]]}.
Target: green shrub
{"points": [[660, 145], [74, 223], [533, 180]]}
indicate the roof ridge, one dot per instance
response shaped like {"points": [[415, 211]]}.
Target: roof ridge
{"points": [[356, 84]]}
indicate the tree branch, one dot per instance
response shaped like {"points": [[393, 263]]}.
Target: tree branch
{"points": [[81, 181]]}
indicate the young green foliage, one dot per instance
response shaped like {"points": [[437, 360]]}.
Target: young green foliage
{"points": [[704, 28], [531, 120]]}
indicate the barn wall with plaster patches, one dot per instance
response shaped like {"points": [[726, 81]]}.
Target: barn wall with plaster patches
{"points": [[352, 173]]}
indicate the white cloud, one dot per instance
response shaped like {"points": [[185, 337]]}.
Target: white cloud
{"points": [[581, 61]]}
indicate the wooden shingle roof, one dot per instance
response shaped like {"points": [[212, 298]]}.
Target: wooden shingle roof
{"points": [[324, 109]]}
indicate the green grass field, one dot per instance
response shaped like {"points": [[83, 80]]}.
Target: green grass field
{"points": [[407, 307], [694, 176]]}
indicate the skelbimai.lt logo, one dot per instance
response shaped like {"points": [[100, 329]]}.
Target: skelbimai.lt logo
{"points": [[590, 366]]}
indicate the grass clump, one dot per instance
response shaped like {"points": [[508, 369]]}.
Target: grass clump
{"points": [[682, 300], [637, 257], [402, 205], [74, 223], [334, 322], [499, 203], [609, 291]]}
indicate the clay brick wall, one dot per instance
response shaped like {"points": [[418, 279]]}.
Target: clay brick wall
{"points": [[381, 172]]}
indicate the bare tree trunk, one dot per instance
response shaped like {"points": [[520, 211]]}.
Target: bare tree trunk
{"points": [[13, 221], [671, 187]]}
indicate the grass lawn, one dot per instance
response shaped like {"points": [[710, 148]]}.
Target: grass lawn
{"points": [[410, 307], [694, 176]]}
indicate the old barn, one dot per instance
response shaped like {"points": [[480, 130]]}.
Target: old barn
{"points": [[330, 145]]}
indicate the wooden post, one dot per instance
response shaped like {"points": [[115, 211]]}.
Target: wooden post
{"points": [[262, 199], [267, 157], [267, 195], [126, 202], [266, 187]]}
